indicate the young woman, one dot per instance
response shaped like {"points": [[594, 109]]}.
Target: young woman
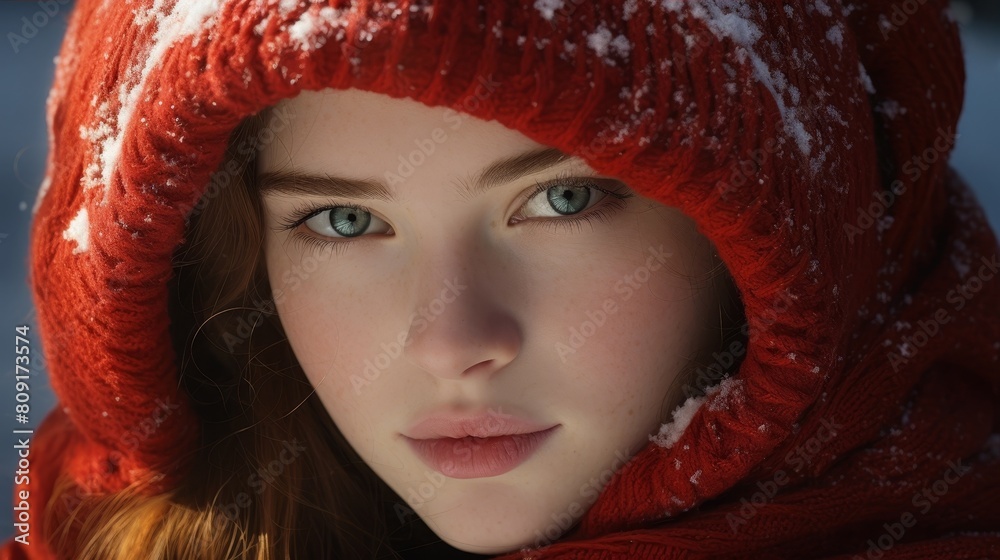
{"points": [[552, 280]]}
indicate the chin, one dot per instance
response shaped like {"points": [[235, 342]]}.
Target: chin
{"points": [[484, 542], [499, 514], [491, 533]]}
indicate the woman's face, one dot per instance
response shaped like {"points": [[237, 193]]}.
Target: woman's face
{"points": [[467, 297]]}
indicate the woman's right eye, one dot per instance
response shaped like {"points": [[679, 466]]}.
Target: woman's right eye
{"points": [[342, 221]]}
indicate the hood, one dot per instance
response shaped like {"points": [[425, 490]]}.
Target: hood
{"points": [[808, 140]]}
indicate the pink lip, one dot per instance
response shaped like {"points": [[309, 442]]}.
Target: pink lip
{"points": [[477, 446]]}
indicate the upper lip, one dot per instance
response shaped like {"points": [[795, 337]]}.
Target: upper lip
{"points": [[482, 424]]}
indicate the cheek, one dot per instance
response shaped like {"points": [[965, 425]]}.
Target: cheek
{"points": [[624, 339], [327, 329], [331, 349]]}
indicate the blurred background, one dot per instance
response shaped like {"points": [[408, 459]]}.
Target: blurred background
{"points": [[23, 150]]}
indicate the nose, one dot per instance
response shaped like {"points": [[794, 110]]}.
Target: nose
{"points": [[460, 333]]}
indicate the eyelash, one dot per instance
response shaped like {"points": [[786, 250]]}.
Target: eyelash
{"points": [[300, 215]]}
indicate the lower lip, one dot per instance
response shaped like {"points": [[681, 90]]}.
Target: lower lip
{"points": [[471, 457]]}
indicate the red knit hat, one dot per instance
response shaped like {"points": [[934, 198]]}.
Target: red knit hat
{"points": [[807, 139]]}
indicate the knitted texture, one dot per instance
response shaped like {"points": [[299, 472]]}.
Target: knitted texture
{"points": [[872, 372]]}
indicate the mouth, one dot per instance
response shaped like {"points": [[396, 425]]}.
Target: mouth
{"points": [[478, 457]]}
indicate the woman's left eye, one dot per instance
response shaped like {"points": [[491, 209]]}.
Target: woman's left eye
{"points": [[556, 204], [565, 198]]}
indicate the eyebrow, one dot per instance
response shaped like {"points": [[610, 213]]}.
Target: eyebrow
{"points": [[498, 173]]}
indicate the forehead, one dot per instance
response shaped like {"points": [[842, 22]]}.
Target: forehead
{"points": [[353, 132]]}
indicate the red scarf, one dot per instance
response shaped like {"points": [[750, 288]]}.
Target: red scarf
{"points": [[808, 139]]}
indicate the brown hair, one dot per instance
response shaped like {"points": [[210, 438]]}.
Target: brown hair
{"points": [[273, 477]]}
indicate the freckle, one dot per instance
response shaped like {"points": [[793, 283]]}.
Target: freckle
{"points": [[630, 412]]}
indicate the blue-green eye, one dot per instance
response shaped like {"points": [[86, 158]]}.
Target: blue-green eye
{"points": [[563, 200], [342, 221]]}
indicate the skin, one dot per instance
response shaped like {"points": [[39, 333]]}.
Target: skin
{"points": [[503, 341]]}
